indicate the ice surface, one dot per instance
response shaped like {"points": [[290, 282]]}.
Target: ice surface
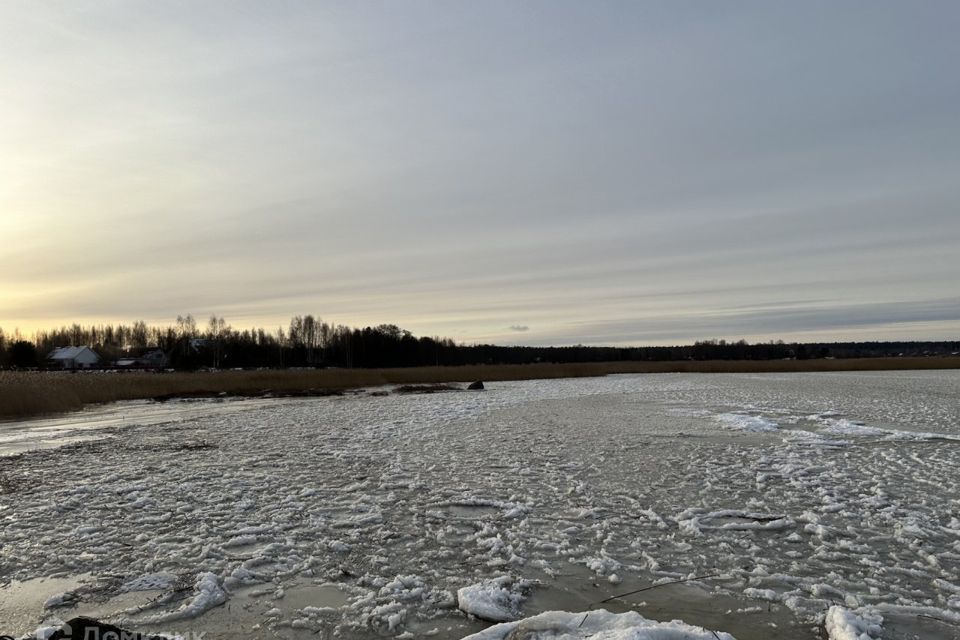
{"points": [[843, 624], [849, 500], [497, 600], [598, 625], [149, 582], [208, 593], [60, 600], [746, 422]]}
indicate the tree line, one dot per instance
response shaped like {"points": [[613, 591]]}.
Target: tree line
{"points": [[308, 341]]}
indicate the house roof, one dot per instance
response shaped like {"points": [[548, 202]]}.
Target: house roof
{"points": [[139, 352], [68, 353]]}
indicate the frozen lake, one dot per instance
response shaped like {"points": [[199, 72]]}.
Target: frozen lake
{"points": [[363, 516]]}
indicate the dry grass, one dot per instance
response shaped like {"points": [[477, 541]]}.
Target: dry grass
{"points": [[427, 388], [33, 393]]}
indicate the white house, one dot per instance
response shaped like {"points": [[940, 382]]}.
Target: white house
{"points": [[73, 357]]}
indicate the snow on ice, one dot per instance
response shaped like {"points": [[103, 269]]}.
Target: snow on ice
{"points": [[599, 625], [497, 600], [843, 624]]}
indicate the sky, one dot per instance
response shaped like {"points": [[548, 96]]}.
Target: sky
{"points": [[526, 172]]}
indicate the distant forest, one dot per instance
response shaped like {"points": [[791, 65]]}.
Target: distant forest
{"points": [[310, 342]]}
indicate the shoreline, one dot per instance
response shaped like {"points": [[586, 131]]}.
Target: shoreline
{"points": [[37, 393]]}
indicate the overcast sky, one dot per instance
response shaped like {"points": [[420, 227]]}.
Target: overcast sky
{"points": [[515, 172]]}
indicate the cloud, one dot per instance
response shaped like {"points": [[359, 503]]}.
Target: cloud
{"points": [[602, 174], [827, 320]]}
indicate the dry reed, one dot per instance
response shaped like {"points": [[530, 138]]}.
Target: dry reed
{"points": [[30, 393]]}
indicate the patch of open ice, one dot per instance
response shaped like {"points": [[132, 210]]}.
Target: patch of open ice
{"points": [[562, 625], [918, 436], [44, 632], [149, 582], [847, 427], [843, 624], [843, 426], [60, 600], [497, 600], [694, 521], [602, 565], [744, 422], [209, 594]]}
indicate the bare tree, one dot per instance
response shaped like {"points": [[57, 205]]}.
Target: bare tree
{"points": [[217, 332], [186, 326], [138, 335]]}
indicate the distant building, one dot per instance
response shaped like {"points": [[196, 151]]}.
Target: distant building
{"points": [[144, 359], [73, 358]]}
